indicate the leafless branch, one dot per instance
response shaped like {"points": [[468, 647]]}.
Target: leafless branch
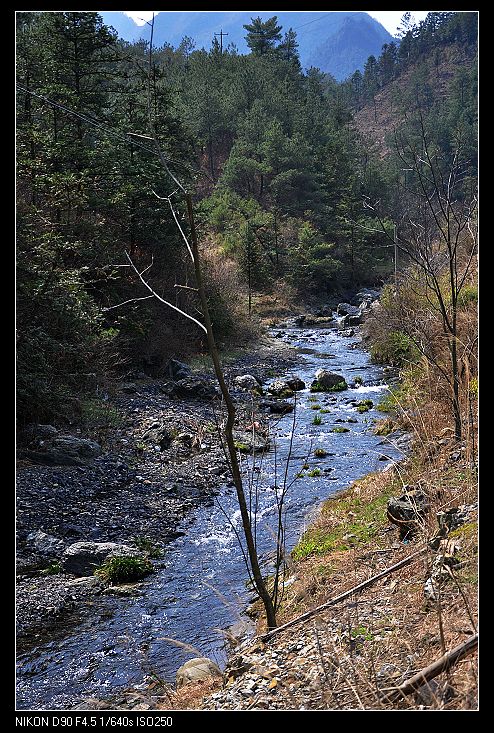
{"points": [[162, 300]]}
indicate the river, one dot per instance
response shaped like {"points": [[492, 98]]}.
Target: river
{"points": [[201, 587]]}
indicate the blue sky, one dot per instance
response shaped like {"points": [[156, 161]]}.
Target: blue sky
{"points": [[390, 19]]}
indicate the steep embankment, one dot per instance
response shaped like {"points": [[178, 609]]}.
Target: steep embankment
{"points": [[432, 77]]}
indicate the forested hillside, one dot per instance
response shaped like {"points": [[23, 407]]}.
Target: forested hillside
{"points": [[282, 173]]}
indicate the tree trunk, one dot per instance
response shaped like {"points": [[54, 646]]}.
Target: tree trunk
{"points": [[232, 451]]}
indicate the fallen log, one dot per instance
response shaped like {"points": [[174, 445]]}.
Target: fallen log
{"points": [[342, 596], [433, 670]]}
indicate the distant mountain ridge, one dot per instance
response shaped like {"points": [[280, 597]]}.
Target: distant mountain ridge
{"points": [[335, 42]]}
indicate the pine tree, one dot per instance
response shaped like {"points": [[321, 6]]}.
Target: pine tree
{"points": [[262, 36]]}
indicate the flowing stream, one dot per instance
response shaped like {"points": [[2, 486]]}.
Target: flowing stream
{"points": [[201, 587]]}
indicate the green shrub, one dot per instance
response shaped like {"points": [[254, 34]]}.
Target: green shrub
{"points": [[317, 420], [54, 568], [124, 569], [340, 430], [315, 472], [242, 447], [100, 413], [148, 546], [467, 296], [394, 348]]}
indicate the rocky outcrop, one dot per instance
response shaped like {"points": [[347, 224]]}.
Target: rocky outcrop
{"points": [[199, 668], [408, 510], [177, 370], [82, 558]]}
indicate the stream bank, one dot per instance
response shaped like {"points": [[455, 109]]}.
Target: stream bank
{"points": [[185, 598]]}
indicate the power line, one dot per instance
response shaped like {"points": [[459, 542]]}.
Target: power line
{"points": [[87, 119], [312, 21]]}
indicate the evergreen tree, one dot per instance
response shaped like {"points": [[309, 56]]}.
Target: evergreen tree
{"points": [[262, 35]]}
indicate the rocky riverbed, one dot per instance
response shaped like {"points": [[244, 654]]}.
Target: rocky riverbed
{"points": [[160, 461]]}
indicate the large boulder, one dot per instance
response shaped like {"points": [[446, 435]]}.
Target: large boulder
{"points": [[194, 387], [326, 381], [81, 447], [247, 382], [177, 370], [65, 450], [199, 668], [278, 407], [408, 510], [248, 442], [295, 383], [38, 433], [82, 558], [280, 388], [346, 309]]}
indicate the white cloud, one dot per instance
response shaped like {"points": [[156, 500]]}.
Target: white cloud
{"points": [[390, 19], [140, 17]]}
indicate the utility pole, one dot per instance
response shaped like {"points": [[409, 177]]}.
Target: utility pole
{"points": [[395, 238], [221, 34]]}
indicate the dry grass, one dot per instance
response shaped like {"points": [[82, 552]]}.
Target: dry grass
{"points": [[191, 695]]}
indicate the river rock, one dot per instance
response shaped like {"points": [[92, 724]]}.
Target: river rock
{"points": [[278, 407], [65, 450], [247, 443], [36, 432], [158, 434], [72, 445], [199, 668], [82, 558], [407, 510], [295, 383], [177, 370], [246, 381], [328, 380], [45, 544], [346, 309], [280, 388], [193, 387]]}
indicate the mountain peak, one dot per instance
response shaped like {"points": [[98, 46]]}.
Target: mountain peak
{"points": [[336, 42]]}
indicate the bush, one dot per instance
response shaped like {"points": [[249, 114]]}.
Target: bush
{"points": [[394, 348], [124, 569], [467, 296]]}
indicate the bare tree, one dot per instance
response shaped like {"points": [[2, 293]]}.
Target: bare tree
{"points": [[437, 233]]}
